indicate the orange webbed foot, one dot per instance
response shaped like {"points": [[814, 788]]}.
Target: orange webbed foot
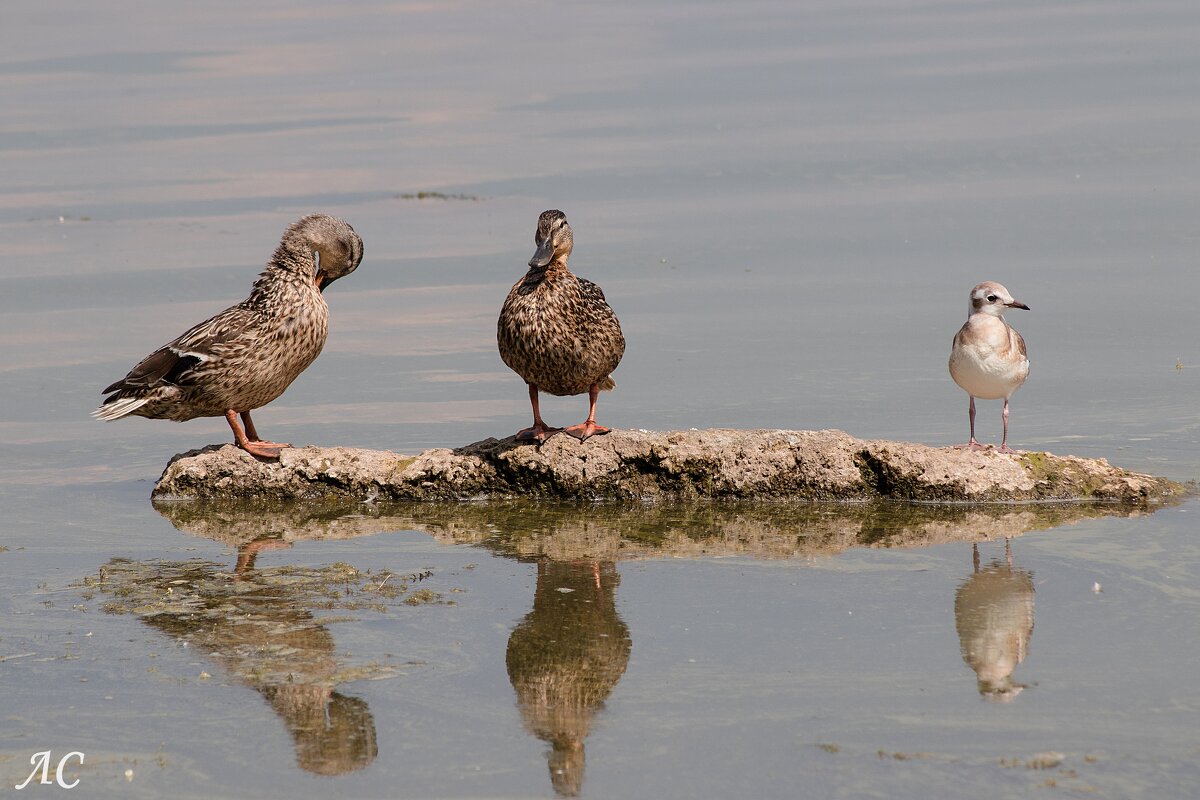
{"points": [[264, 449], [586, 429], [536, 433]]}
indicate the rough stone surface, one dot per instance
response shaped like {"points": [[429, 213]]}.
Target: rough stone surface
{"points": [[720, 463]]}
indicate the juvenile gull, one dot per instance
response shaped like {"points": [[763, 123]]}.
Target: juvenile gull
{"points": [[988, 359]]}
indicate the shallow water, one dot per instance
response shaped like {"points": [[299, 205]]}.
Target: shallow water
{"points": [[786, 204]]}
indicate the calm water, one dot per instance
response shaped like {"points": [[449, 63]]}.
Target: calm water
{"points": [[786, 203]]}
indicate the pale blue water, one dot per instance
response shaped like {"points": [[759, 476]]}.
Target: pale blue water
{"points": [[786, 203]]}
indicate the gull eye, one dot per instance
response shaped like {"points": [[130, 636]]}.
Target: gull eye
{"points": [[991, 298]]}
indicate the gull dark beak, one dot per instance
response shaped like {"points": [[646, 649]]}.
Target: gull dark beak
{"points": [[1016, 304], [544, 254]]}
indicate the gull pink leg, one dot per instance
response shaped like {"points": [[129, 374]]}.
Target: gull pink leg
{"points": [[1004, 448], [972, 444]]}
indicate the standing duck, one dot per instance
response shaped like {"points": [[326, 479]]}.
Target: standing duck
{"points": [[988, 358], [246, 356], [557, 331]]}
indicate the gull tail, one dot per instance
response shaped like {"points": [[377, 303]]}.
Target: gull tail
{"points": [[606, 384]]}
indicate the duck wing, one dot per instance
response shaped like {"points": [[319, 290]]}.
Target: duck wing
{"points": [[591, 292], [598, 312], [172, 363]]}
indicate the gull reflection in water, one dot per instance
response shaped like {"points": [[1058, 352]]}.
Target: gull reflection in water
{"points": [[564, 659], [993, 612]]}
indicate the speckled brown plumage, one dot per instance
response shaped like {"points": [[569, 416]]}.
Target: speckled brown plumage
{"points": [[246, 356], [557, 331]]}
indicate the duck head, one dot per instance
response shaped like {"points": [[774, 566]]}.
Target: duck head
{"points": [[553, 239], [326, 247]]}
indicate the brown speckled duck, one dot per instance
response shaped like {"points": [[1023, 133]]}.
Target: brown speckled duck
{"points": [[557, 331], [246, 356]]}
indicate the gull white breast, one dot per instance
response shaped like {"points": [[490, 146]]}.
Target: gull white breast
{"points": [[988, 359]]}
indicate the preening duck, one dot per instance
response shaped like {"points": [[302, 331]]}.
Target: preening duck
{"points": [[246, 356]]}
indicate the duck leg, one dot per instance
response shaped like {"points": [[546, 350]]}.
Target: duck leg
{"points": [[248, 552], [253, 436], [540, 430], [972, 444], [589, 427], [248, 440]]}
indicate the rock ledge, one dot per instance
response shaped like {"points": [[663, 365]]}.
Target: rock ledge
{"points": [[716, 463]]}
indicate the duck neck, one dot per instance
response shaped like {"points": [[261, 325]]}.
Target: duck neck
{"points": [[279, 283], [294, 256], [556, 265]]}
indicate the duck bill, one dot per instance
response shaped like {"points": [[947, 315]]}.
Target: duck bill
{"points": [[322, 279], [1017, 304], [543, 256]]}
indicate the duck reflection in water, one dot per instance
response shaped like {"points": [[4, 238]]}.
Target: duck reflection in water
{"points": [[993, 612], [564, 659], [258, 626]]}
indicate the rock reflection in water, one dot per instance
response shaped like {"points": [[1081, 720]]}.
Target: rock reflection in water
{"points": [[993, 612], [260, 627], [627, 531], [569, 652], [564, 659], [523, 528]]}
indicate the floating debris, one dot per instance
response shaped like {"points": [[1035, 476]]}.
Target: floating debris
{"points": [[436, 196], [1047, 760]]}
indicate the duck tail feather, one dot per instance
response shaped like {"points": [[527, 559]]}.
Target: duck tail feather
{"points": [[120, 407]]}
